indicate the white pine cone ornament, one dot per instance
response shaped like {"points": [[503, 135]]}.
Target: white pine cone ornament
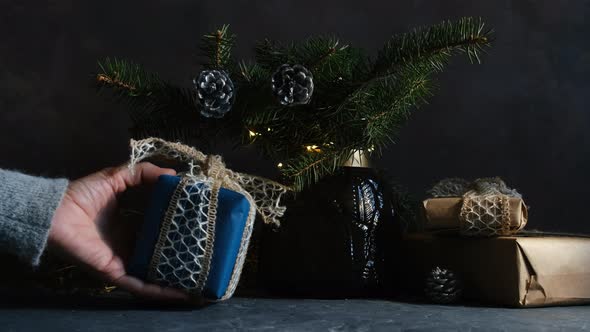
{"points": [[292, 85], [215, 92], [442, 286]]}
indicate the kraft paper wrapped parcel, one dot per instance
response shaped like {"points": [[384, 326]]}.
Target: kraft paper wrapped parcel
{"points": [[517, 271]]}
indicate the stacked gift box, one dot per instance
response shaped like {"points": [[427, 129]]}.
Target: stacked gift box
{"points": [[502, 264]]}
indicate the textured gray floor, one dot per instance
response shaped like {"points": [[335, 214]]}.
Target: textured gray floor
{"points": [[295, 315]]}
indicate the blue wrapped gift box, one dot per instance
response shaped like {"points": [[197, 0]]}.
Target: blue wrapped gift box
{"points": [[184, 255]]}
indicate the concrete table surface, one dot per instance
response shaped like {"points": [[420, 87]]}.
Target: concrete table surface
{"points": [[257, 314]]}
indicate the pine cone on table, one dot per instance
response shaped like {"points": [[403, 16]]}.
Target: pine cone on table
{"points": [[443, 286]]}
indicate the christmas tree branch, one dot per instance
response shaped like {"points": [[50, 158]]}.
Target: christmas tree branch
{"points": [[419, 53], [154, 104], [329, 52], [309, 167], [218, 40], [357, 102], [217, 48], [315, 52], [270, 54], [465, 35], [127, 76], [115, 82], [384, 125]]}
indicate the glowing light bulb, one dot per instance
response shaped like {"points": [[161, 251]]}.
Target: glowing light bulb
{"points": [[312, 148]]}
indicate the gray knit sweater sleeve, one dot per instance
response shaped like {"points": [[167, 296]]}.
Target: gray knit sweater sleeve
{"points": [[27, 204]]}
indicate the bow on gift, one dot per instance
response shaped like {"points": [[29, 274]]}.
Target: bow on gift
{"points": [[264, 195]]}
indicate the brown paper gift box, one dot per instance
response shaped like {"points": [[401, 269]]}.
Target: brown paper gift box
{"points": [[443, 213], [509, 271]]}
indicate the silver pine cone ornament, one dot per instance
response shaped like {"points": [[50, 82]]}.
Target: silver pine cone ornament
{"points": [[292, 85], [442, 286], [215, 92]]}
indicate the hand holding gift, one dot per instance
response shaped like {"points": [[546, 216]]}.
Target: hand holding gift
{"points": [[197, 229]]}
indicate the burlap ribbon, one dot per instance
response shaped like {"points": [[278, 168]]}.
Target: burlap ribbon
{"points": [[264, 195]]}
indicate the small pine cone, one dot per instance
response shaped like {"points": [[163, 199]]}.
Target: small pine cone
{"points": [[442, 286], [292, 85], [215, 92]]}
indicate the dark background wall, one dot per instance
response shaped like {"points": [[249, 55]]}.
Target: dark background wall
{"points": [[522, 114]]}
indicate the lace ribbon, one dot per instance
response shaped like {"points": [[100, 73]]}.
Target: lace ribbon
{"points": [[263, 194], [485, 209]]}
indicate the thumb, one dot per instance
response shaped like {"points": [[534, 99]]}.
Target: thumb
{"points": [[142, 173]]}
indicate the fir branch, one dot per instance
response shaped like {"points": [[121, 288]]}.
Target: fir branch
{"points": [[154, 104], [393, 100], [115, 82], [252, 74], [466, 35], [216, 48], [358, 103], [271, 54], [309, 167], [327, 54], [127, 76], [314, 52], [420, 53]]}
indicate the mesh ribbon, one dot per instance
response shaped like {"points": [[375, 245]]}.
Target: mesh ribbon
{"points": [[182, 254], [485, 209], [263, 195]]}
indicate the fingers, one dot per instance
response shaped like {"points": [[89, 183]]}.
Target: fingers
{"points": [[143, 173], [121, 179], [151, 291]]}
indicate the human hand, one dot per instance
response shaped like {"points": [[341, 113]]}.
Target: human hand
{"points": [[85, 230]]}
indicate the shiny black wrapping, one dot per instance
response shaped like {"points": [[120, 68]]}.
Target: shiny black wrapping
{"points": [[338, 238]]}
